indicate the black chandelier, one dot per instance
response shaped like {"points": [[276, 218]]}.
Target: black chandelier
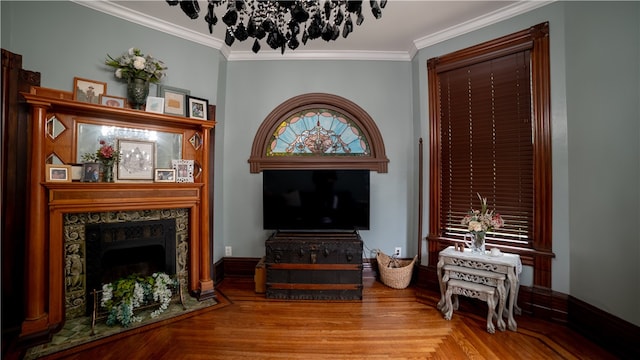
{"points": [[281, 22]]}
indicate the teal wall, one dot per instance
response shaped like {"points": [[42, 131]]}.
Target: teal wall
{"points": [[595, 79], [602, 71]]}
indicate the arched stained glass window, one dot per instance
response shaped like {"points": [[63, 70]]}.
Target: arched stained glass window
{"points": [[318, 132]]}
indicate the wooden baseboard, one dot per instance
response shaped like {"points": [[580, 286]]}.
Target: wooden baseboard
{"points": [[612, 333]]}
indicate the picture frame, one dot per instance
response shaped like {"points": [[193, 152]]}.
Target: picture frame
{"points": [[91, 172], [58, 173], [197, 108], [113, 101], [165, 175], [86, 90], [76, 172], [137, 160], [174, 99], [154, 104], [184, 170]]}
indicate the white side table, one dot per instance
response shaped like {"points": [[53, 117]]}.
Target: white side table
{"points": [[508, 264]]}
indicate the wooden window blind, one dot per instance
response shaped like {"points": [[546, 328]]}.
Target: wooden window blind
{"points": [[486, 145]]}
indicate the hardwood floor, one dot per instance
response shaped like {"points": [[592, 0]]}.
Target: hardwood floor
{"points": [[386, 324]]}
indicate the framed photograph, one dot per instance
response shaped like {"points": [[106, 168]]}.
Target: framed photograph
{"points": [[165, 175], [91, 172], [184, 170], [113, 101], [174, 100], [155, 104], [137, 160], [76, 172], [58, 173], [197, 108], [86, 90]]}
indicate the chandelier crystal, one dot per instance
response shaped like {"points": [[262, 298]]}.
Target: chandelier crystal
{"points": [[282, 23]]}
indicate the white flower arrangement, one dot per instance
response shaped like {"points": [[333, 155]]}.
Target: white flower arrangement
{"points": [[121, 297], [134, 64], [483, 220]]}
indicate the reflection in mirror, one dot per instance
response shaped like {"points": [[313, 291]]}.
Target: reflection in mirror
{"points": [[196, 141], [54, 160], [54, 127], [168, 145]]}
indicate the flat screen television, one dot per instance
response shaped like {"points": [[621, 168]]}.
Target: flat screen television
{"points": [[316, 199]]}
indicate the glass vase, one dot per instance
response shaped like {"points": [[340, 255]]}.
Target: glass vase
{"points": [[107, 171], [137, 92], [477, 244]]}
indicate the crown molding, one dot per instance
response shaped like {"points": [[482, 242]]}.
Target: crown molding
{"points": [[145, 20], [491, 18]]}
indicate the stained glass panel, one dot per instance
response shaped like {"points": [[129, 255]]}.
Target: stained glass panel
{"points": [[318, 132]]}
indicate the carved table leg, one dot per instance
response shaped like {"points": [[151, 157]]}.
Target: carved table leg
{"points": [[449, 312], [491, 303], [502, 299], [513, 292], [441, 282]]}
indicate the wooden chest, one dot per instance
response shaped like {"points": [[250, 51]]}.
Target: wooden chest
{"points": [[314, 266]]}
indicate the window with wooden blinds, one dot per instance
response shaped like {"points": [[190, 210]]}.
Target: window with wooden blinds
{"points": [[486, 145], [489, 111]]}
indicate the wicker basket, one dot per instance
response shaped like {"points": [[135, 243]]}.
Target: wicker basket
{"points": [[393, 272]]}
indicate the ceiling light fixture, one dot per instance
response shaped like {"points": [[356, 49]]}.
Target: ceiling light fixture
{"points": [[283, 23]]}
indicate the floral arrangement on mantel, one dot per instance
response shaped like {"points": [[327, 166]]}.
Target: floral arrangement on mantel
{"points": [[121, 297], [479, 222], [106, 154], [134, 64]]}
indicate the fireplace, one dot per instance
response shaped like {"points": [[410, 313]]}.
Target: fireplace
{"points": [[103, 247]]}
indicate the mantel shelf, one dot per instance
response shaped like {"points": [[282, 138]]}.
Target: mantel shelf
{"points": [[120, 114]]}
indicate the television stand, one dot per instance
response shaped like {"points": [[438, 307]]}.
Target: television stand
{"points": [[322, 265]]}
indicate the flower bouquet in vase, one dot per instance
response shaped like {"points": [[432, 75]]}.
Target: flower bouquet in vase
{"points": [[138, 70], [478, 223], [105, 155]]}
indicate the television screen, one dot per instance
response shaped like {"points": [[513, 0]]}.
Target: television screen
{"points": [[316, 199]]}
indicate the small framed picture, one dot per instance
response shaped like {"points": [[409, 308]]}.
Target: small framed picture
{"points": [[155, 104], [165, 175], [58, 173], [113, 101], [197, 108], [76, 172], [86, 90], [91, 172], [174, 100], [184, 170], [137, 159]]}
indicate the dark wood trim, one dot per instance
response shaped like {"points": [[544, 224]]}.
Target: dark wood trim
{"points": [[612, 333], [535, 38], [376, 161]]}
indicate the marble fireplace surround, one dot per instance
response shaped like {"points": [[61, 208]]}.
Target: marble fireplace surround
{"points": [[78, 259]]}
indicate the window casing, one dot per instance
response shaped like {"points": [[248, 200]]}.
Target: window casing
{"points": [[490, 134]]}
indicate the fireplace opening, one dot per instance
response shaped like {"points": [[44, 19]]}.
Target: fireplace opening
{"points": [[117, 250], [143, 260]]}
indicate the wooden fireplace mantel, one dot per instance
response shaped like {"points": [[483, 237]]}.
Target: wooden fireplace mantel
{"points": [[49, 201]]}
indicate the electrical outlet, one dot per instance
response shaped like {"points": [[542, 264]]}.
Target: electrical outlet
{"points": [[227, 251], [398, 252]]}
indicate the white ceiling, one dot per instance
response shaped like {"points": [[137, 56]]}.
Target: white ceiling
{"points": [[405, 27]]}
